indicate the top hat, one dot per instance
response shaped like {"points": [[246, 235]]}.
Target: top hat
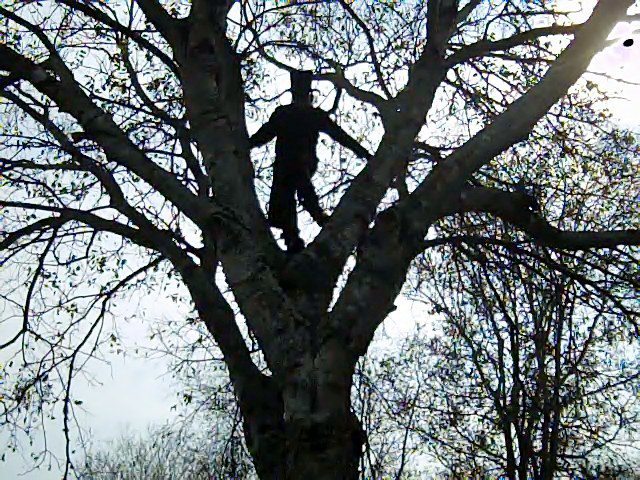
{"points": [[301, 81]]}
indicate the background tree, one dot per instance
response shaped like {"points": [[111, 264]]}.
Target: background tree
{"points": [[520, 378], [165, 453], [126, 162], [551, 378]]}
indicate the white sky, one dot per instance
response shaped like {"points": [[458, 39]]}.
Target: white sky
{"points": [[624, 63], [136, 392], [133, 392]]}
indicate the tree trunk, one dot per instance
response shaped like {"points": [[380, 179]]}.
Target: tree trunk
{"points": [[306, 450], [306, 429], [324, 450]]}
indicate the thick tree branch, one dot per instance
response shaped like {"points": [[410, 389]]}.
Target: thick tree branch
{"points": [[403, 117], [214, 99], [220, 320], [216, 11], [158, 16], [517, 121], [441, 22], [382, 262], [398, 234], [385, 257], [340, 81], [137, 236], [465, 11], [515, 208], [10, 238], [216, 114]]}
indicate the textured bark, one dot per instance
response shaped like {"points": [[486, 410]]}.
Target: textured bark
{"points": [[306, 430], [302, 450], [324, 450]]}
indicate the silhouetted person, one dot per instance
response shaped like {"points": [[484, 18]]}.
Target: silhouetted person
{"points": [[297, 127]]}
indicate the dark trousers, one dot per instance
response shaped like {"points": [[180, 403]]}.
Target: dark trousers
{"points": [[291, 176]]}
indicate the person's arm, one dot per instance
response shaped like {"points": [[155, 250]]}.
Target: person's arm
{"points": [[266, 133], [343, 138]]}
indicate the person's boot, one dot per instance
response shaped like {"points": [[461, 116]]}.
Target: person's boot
{"points": [[319, 216], [293, 242], [321, 219]]}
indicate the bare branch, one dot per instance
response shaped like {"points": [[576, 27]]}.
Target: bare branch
{"points": [[484, 47], [515, 208], [137, 236], [100, 127], [104, 19], [26, 308], [372, 49]]}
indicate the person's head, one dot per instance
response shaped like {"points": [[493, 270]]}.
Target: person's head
{"points": [[301, 86]]}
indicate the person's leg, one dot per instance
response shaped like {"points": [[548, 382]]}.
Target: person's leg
{"points": [[282, 207], [309, 197], [293, 242]]}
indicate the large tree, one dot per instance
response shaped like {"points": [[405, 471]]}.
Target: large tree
{"points": [[126, 159]]}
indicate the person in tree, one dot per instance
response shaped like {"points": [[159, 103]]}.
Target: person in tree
{"points": [[297, 127]]}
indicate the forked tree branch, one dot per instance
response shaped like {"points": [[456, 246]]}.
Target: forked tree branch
{"points": [[516, 122], [104, 19], [403, 117], [398, 235]]}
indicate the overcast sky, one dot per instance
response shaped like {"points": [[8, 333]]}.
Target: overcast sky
{"points": [[136, 392]]}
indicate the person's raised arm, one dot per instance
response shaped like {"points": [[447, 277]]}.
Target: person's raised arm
{"points": [[343, 138]]}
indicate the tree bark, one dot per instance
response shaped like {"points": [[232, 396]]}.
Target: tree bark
{"points": [[304, 450], [329, 449], [306, 429]]}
